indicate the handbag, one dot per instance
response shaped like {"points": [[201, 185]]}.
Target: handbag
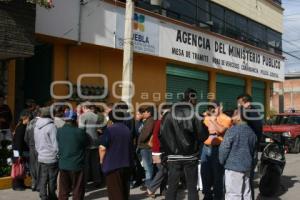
{"points": [[18, 169]]}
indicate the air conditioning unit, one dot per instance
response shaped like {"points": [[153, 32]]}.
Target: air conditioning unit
{"points": [[272, 43], [271, 49], [207, 24], [163, 12], [156, 2], [211, 23], [202, 25]]}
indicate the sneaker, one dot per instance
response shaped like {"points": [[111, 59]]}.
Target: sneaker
{"points": [[19, 189], [150, 194]]}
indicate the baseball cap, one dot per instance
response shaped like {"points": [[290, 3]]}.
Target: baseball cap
{"points": [[70, 116]]}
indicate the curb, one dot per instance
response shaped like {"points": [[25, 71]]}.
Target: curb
{"points": [[6, 182]]}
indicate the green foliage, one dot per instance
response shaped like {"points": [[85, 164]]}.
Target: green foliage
{"points": [[43, 3], [5, 153]]}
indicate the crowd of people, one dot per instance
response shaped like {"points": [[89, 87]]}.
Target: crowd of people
{"points": [[68, 149]]}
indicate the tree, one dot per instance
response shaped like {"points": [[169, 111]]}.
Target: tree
{"points": [[43, 3]]}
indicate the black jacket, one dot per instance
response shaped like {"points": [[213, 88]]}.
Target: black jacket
{"points": [[18, 139], [182, 136], [254, 120]]}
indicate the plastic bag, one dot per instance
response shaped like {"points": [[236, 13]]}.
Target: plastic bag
{"points": [[18, 169]]}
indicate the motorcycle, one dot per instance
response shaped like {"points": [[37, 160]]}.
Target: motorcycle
{"points": [[272, 163]]}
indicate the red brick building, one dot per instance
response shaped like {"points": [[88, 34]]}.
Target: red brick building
{"points": [[286, 95]]}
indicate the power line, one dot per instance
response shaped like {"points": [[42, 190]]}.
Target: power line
{"points": [[294, 51], [291, 55], [295, 40], [290, 42], [291, 2], [294, 14]]}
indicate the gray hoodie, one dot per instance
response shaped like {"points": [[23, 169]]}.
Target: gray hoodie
{"points": [[90, 122], [45, 140]]}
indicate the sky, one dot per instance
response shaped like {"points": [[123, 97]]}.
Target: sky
{"points": [[291, 35]]}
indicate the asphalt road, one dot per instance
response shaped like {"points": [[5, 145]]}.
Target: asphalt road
{"points": [[289, 190]]}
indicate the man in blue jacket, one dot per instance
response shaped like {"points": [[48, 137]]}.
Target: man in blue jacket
{"points": [[255, 121], [236, 154]]}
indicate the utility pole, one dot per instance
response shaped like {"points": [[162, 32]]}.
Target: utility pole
{"points": [[128, 53], [281, 98]]}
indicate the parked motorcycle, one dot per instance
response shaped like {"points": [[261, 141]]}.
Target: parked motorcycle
{"points": [[271, 165]]}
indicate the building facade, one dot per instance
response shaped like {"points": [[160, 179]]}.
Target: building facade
{"points": [[286, 95], [221, 48], [17, 33]]}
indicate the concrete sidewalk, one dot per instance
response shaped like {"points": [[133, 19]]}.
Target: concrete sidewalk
{"points": [[290, 187]]}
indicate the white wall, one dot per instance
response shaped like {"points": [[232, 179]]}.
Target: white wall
{"points": [[99, 23], [62, 21]]}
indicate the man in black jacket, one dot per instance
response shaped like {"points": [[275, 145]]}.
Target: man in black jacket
{"points": [[181, 134]]}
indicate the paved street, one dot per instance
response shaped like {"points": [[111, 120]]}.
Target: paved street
{"points": [[290, 187]]}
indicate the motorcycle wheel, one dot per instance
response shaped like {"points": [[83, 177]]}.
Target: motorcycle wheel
{"points": [[269, 183]]}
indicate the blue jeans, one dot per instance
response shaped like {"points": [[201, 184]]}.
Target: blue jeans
{"points": [[212, 173], [146, 155], [48, 181], [160, 179]]}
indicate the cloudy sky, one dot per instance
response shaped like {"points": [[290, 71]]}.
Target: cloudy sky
{"points": [[291, 36]]}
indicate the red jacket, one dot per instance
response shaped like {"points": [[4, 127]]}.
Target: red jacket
{"points": [[155, 139]]}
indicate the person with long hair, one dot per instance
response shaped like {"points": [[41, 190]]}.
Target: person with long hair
{"points": [[20, 148]]}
